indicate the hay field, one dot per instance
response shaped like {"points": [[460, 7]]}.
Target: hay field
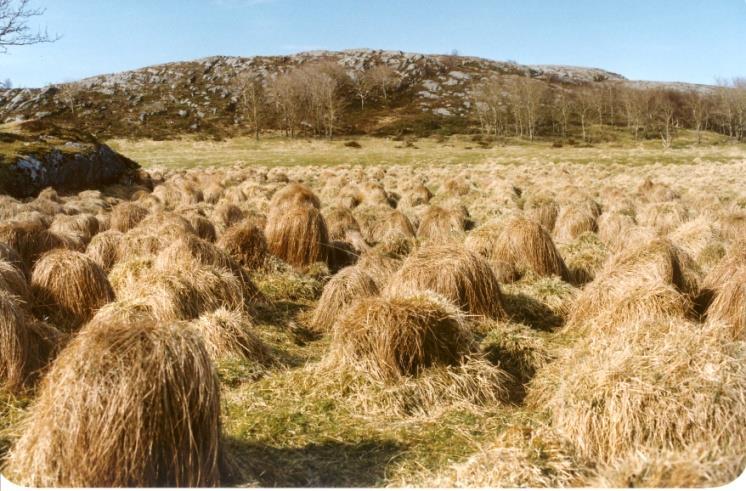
{"points": [[311, 314]]}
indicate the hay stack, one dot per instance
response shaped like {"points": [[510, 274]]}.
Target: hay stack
{"points": [[84, 226], [13, 281], [522, 246], [340, 221], [350, 197], [392, 225], [29, 240], [399, 337], [294, 195], [349, 284], [9, 255], [418, 195], [297, 235], [732, 225], [727, 302], [653, 280], [543, 210], [26, 344], [228, 334], [126, 216], [664, 216], [104, 249], [245, 243], [227, 214], [185, 293], [613, 226], [573, 221], [14, 343], [457, 186], [439, 225], [69, 287], [165, 223], [202, 227], [461, 276], [374, 194], [124, 405], [702, 465], [482, 239], [380, 267], [660, 383]]}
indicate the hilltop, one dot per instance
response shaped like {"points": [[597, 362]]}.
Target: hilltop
{"points": [[201, 97]]}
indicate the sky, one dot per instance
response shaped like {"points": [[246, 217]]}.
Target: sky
{"points": [[669, 40]]}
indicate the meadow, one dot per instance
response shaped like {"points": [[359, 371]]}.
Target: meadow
{"points": [[439, 311]]}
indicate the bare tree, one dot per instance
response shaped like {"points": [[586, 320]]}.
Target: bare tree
{"points": [[323, 82], [530, 94], [14, 25], [69, 94], [663, 112], [384, 77], [597, 97], [635, 107], [699, 106], [253, 100], [584, 104], [490, 106], [363, 85], [7, 84], [563, 106], [287, 91]]}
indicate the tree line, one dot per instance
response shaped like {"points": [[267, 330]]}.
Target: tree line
{"points": [[310, 98], [314, 98], [523, 107]]}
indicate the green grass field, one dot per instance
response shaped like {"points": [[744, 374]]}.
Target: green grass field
{"points": [[278, 151]]}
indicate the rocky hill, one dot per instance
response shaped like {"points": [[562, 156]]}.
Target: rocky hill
{"points": [[199, 96]]}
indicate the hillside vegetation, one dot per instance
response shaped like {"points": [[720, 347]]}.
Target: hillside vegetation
{"points": [[378, 93]]}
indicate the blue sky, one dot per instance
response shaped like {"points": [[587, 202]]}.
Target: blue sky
{"points": [[685, 40]]}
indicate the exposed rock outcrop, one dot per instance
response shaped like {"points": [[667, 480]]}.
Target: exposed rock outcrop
{"points": [[33, 158]]}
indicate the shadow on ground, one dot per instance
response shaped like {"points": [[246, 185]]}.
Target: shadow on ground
{"points": [[529, 311], [328, 464]]}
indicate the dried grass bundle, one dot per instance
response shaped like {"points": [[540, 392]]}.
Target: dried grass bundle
{"points": [[104, 249], [702, 465], [524, 245], [517, 458], [29, 240], [297, 235], [728, 302], [542, 209], [83, 225], [573, 221], [126, 215], [181, 293], [339, 221], [652, 382], [398, 337], [460, 276], [655, 279], [26, 344], [124, 405], [245, 243], [13, 281], [440, 225], [294, 195], [229, 333], [347, 285], [69, 287]]}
